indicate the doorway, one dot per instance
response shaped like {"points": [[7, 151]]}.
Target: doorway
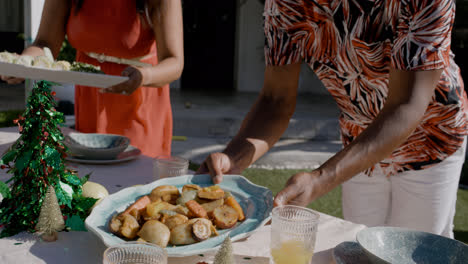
{"points": [[209, 46]]}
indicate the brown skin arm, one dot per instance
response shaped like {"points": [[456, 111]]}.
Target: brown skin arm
{"points": [[262, 127], [168, 29], [51, 32], [409, 96]]}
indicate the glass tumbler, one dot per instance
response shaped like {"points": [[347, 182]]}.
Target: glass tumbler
{"points": [[169, 166], [293, 234], [135, 253]]}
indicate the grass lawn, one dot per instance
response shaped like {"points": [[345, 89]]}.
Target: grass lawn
{"points": [[7, 117], [331, 202]]}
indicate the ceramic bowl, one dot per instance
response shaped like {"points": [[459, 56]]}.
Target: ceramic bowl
{"points": [[96, 146], [255, 200], [399, 245]]}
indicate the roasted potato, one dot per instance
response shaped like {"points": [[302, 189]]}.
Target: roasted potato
{"points": [[196, 209], [182, 234], [225, 216], [189, 187], [175, 220], [209, 207], [182, 210], [153, 209], [116, 223], [155, 232], [167, 193], [130, 227], [231, 201], [201, 229], [211, 193], [187, 196]]}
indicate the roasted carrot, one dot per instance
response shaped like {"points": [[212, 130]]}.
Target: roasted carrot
{"points": [[231, 201], [196, 209], [139, 205]]}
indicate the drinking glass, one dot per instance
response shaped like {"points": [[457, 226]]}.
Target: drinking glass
{"points": [[293, 234], [169, 166], [135, 253]]}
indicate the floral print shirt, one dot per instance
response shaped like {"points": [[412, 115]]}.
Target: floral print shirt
{"points": [[351, 46]]}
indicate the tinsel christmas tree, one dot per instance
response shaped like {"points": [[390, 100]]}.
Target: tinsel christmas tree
{"points": [[50, 219], [37, 160], [224, 254]]}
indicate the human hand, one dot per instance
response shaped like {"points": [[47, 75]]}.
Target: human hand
{"points": [[135, 80], [11, 79], [301, 189], [217, 164]]}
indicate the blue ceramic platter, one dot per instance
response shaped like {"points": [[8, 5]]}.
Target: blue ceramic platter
{"points": [[399, 245], [256, 201]]}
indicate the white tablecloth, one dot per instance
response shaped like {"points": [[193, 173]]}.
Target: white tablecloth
{"points": [[85, 247]]}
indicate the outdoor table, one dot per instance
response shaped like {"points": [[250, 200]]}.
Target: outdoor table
{"points": [[85, 247]]}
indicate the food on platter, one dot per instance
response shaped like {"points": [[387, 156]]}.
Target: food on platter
{"points": [[211, 193], [42, 62], [61, 65], [8, 57], [47, 61], [225, 216], [85, 67], [24, 60], [167, 216]]}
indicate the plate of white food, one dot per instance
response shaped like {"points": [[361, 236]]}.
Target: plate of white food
{"points": [[44, 67]]}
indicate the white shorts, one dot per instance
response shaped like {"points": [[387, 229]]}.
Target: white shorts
{"points": [[422, 200]]}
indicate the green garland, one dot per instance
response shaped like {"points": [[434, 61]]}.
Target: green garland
{"points": [[36, 160]]}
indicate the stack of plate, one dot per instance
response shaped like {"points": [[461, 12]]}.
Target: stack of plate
{"points": [[97, 148]]}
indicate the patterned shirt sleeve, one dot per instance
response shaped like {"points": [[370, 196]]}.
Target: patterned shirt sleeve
{"points": [[283, 46], [423, 33]]}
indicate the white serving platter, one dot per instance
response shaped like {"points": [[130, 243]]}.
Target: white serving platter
{"points": [[60, 76]]}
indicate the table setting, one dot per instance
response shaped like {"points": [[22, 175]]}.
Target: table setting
{"points": [[250, 241], [70, 197]]}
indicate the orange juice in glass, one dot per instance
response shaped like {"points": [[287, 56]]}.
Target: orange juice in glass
{"points": [[293, 234]]}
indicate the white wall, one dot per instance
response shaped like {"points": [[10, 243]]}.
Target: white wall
{"points": [[250, 57], [32, 18]]}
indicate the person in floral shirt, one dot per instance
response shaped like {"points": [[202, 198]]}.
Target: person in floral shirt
{"points": [[403, 120]]}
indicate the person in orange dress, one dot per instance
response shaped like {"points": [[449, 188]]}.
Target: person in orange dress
{"points": [[139, 31]]}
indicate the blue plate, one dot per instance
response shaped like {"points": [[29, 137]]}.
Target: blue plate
{"points": [[399, 245], [256, 201]]}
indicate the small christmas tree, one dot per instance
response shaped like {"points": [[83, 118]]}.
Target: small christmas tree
{"points": [[50, 218], [224, 254], [37, 161]]}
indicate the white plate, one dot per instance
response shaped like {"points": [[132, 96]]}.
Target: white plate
{"points": [[60, 76], [129, 154]]}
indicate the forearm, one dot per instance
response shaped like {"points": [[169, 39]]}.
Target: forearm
{"points": [[260, 130], [167, 71], [388, 131]]}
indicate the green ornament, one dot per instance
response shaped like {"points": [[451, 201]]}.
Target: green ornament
{"points": [[36, 161]]}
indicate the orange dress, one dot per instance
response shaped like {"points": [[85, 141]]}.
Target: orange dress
{"points": [[114, 28]]}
